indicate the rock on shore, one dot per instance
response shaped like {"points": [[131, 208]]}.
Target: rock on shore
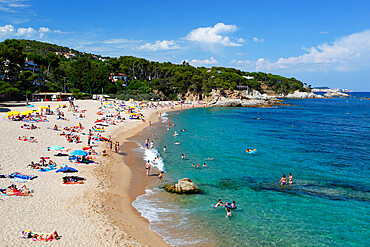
{"points": [[183, 186]]}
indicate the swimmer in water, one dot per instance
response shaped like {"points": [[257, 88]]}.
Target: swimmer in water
{"points": [[283, 180], [177, 142], [164, 149], [219, 203], [204, 165], [182, 156]]}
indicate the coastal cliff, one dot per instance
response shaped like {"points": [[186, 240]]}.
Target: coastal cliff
{"points": [[249, 98]]}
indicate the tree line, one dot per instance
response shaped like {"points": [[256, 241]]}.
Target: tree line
{"points": [[85, 73]]}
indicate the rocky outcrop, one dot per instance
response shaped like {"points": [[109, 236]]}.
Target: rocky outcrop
{"points": [[248, 98], [183, 186], [243, 98], [336, 93], [300, 95]]}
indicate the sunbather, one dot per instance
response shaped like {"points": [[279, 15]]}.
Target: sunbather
{"points": [[46, 237]]}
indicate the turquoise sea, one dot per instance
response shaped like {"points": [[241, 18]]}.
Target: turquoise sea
{"points": [[324, 143]]}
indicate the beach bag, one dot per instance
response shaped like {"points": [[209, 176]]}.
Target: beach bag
{"points": [[25, 234]]}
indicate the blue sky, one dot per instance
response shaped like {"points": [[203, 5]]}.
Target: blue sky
{"points": [[322, 43]]}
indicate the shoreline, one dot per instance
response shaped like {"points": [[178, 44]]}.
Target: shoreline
{"points": [[124, 191]]}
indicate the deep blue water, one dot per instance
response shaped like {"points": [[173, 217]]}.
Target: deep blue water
{"points": [[324, 143]]}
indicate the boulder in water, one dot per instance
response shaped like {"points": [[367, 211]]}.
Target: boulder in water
{"points": [[183, 186]]}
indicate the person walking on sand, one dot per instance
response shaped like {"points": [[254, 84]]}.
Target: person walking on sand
{"points": [[160, 177], [147, 167]]}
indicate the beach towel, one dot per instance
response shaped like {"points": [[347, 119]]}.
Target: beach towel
{"points": [[18, 180], [21, 176], [46, 169]]}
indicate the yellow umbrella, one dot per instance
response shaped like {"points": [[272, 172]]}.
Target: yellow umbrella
{"points": [[13, 113], [44, 107], [132, 107], [25, 113]]}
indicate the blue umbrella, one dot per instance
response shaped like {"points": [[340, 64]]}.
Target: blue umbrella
{"points": [[79, 153], [66, 169]]}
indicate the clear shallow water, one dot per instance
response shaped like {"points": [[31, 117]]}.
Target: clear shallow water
{"points": [[322, 142]]}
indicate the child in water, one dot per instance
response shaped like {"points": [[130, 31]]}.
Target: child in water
{"points": [[228, 213], [160, 177]]}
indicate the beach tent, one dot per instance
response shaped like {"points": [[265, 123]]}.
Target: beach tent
{"points": [[79, 153], [67, 169]]}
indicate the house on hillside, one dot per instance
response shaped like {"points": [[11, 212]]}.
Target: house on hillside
{"points": [[114, 77], [31, 66], [248, 77], [69, 55], [58, 53]]}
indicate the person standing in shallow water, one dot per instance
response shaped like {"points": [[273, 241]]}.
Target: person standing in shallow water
{"points": [[283, 180], [160, 177], [290, 179], [228, 213]]}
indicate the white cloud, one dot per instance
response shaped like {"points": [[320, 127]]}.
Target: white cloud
{"points": [[257, 40], [120, 41], [26, 32], [12, 6], [9, 31], [6, 30], [323, 32], [213, 35], [205, 62], [160, 46], [348, 53]]}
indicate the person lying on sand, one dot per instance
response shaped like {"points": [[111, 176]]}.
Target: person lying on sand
{"points": [[12, 190], [46, 237]]}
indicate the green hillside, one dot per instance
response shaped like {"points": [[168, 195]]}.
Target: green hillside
{"points": [[53, 70]]}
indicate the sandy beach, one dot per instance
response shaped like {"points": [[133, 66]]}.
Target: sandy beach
{"points": [[96, 213]]}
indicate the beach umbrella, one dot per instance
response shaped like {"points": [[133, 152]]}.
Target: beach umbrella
{"points": [[13, 113], [44, 107], [132, 107], [56, 147], [79, 153], [25, 113], [67, 169]]}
